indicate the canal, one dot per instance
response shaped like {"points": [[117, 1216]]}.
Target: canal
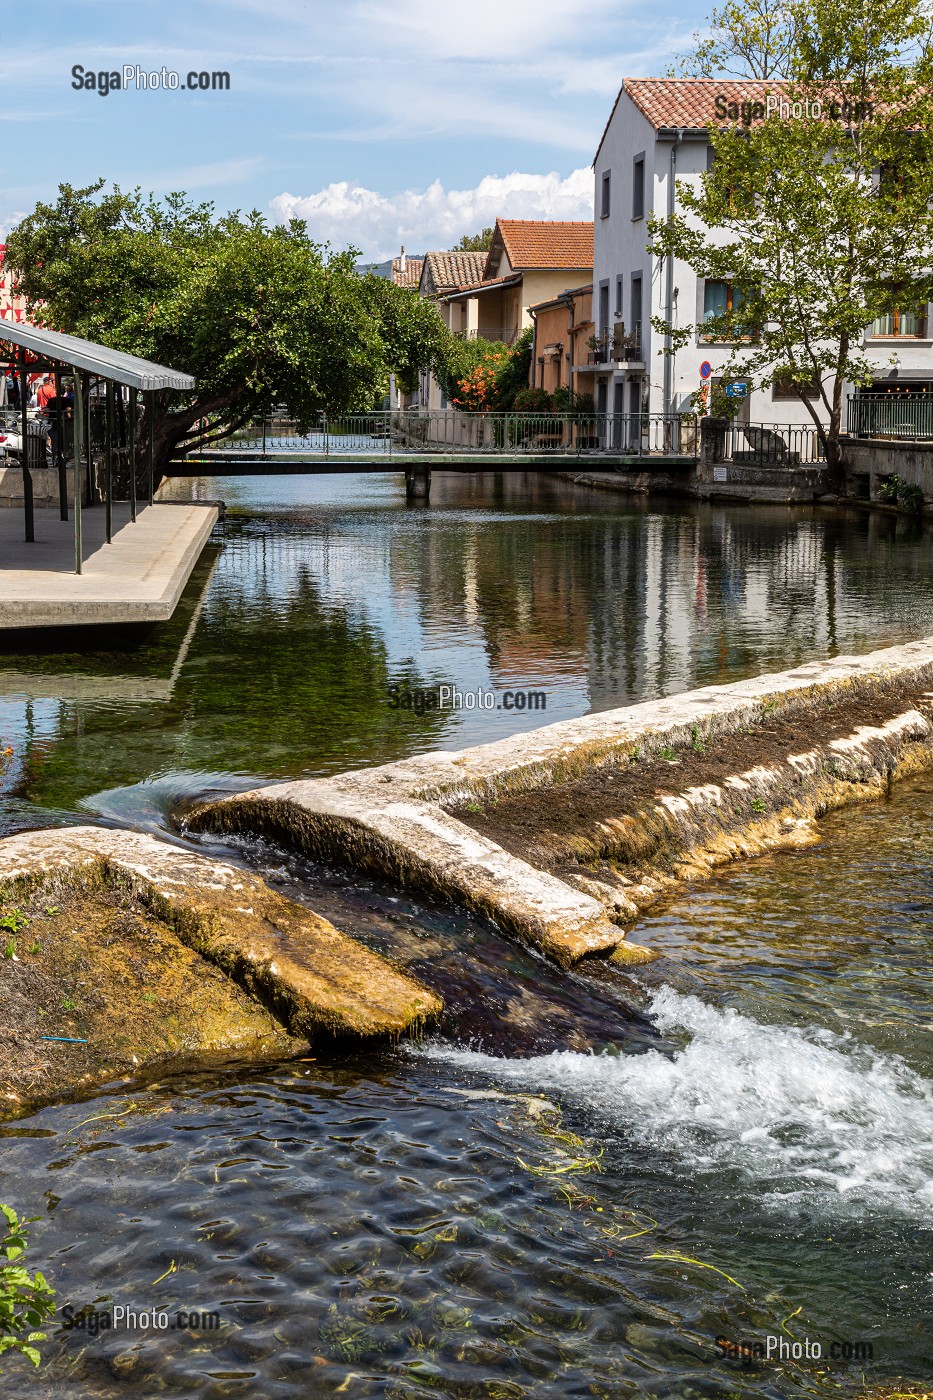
{"points": [[585, 1184]]}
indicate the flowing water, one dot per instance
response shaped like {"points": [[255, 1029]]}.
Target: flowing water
{"points": [[579, 1184]]}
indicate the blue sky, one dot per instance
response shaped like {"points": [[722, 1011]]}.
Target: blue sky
{"points": [[380, 121]]}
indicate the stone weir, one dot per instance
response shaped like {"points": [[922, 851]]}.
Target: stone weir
{"points": [[122, 953], [563, 836]]}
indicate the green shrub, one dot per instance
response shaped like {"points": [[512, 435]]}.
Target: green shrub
{"points": [[26, 1301], [902, 493], [533, 400]]}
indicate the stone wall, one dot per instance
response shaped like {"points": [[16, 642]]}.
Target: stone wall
{"points": [[44, 487], [872, 461]]}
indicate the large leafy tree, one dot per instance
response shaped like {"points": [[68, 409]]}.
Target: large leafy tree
{"points": [[475, 242], [261, 314], [745, 39], [820, 215]]}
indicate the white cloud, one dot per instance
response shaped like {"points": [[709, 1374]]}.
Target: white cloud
{"points": [[8, 221], [345, 213]]}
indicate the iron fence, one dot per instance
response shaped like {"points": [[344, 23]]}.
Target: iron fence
{"points": [[902, 415], [506, 334], [451, 432], [765, 445]]}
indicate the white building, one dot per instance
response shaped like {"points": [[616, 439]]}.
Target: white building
{"points": [[657, 134]]}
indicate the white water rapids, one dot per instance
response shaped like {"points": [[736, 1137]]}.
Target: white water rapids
{"points": [[809, 1116]]}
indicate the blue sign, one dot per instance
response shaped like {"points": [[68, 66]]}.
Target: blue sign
{"points": [[706, 369], [736, 391]]}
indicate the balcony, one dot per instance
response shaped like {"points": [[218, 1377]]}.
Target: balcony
{"points": [[618, 349], [506, 334]]}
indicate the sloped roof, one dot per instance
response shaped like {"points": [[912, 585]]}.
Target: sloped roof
{"points": [[547, 242], [451, 270], [560, 300], [689, 102], [511, 279], [97, 359], [412, 273]]}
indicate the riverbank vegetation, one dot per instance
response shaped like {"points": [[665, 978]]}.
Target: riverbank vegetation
{"points": [[260, 313], [26, 1300]]}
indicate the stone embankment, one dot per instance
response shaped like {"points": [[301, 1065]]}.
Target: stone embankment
{"points": [[565, 835], [123, 952]]}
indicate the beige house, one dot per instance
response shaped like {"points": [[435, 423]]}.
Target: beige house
{"points": [[529, 261], [442, 273]]}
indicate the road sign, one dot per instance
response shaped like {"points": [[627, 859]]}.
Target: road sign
{"points": [[736, 391], [706, 369]]}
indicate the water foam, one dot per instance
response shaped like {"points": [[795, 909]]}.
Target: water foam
{"points": [[806, 1113]]}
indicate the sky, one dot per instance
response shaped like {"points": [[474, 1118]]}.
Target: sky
{"points": [[380, 122]]}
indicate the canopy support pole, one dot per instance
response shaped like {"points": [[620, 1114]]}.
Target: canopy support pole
{"points": [[60, 449], [108, 453], [28, 512], [78, 446], [150, 416], [131, 454]]}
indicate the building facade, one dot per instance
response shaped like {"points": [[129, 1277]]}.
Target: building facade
{"points": [[529, 261], [563, 328], [658, 134]]}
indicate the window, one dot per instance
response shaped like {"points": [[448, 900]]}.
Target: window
{"points": [[618, 296], [603, 307], [723, 304], [710, 156], [635, 326], [638, 187], [604, 198], [783, 388], [901, 322]]}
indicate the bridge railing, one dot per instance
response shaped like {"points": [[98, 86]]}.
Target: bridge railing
{"points": [[455, 433]]}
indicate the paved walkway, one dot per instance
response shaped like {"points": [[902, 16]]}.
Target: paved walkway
{"points": [[139, 577]]}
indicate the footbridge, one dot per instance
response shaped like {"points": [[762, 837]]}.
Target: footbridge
{"points": [[418, 443]]}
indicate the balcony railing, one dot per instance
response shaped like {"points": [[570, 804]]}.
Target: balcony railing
{"points": [[506, 334], [903, 415], [614, 352], [483, 434]]}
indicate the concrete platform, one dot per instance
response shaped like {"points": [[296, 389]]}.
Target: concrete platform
{"points": [[139, 577]]}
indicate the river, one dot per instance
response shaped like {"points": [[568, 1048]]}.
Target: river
{"points": [[579, 1184]]}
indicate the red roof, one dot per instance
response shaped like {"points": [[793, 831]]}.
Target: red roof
{"points": [[450, 270], [547, 242], [690, 102], [410, 275]]}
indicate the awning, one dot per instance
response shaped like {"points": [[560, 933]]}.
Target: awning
{"points": [[907, 376], [96, 359]]}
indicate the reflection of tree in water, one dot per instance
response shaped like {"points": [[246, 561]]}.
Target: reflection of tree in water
{"points": [[274, 684], [288, 673]]}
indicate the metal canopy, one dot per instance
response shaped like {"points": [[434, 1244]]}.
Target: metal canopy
{"points": [[96, 359]]}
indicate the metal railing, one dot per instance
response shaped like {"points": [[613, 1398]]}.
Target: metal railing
{"points": [[765, 445], [506, 334], [615, 352], [451, 432], [901, 415]]}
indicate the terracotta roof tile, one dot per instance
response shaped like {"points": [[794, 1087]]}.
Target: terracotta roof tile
{"points": [[547, 242], [448, 271], [691, 102], [412, 274], [510, 279]]}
